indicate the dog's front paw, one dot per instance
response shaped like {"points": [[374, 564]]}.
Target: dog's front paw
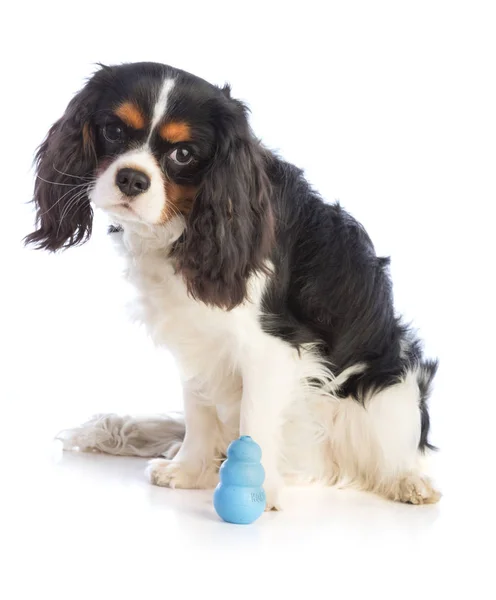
{"points": [[177, 474]]}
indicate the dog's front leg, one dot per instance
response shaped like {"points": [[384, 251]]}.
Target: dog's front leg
{"points": [[269, 385], [196, 463]]}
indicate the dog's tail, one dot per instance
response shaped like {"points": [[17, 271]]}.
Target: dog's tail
{"points": [[127, 436]]}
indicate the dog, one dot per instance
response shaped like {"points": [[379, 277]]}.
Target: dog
{"points": [[273, 302]]}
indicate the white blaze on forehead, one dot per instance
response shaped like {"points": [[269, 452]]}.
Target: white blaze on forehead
{"points": [[160, 107], [147, 207]]}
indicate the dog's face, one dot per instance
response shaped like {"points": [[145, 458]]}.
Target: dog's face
{"points": [[150, 144], [155, 136]]}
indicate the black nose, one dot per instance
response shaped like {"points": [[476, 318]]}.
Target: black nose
{"points": [[132, 182]]}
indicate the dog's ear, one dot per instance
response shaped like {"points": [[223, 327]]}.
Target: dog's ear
{"points": [[229, 231], [65, 166]]}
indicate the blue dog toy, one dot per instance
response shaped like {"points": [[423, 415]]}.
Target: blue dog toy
{"points": [[239, 497]]}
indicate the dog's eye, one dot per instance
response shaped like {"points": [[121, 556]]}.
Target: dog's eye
{"points": [[113, 133], [181, 156]]}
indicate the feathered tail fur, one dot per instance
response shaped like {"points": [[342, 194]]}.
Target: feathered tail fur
{"points": [[127, 435]]}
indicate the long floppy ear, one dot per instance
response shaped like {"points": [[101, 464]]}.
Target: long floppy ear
{"points": [[65, 163], [229, 231]]}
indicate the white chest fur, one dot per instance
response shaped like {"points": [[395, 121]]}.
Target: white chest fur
{"points": [[207, 342]]}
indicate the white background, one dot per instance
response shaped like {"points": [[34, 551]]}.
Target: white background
{"points": [[390, 107]]}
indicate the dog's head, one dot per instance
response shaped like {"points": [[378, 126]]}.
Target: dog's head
{"points": [[150, 144]]}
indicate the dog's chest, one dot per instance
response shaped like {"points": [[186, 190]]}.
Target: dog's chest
{"points": [[207, 342], [171, 315]]}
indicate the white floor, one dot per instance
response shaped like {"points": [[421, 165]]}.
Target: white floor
{"points": [[394, 113]]}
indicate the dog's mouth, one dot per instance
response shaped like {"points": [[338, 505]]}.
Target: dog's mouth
{"points": [[121, 209]]}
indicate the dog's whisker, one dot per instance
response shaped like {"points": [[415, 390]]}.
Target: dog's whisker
{"points": [[72, 185], [86, 178], [62, 197], [70, 205]]}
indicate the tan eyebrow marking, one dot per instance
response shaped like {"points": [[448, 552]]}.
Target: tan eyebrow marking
{"points": [[131, 115], [176, 131]]}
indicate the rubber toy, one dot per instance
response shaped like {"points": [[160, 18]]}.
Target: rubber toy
{"points": [[239, 497]]}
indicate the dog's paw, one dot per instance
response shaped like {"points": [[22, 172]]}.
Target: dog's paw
{"points": [[176, 474], [415, 489]]}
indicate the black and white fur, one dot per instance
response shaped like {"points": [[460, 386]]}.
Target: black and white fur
{"points": [[273, 302]]}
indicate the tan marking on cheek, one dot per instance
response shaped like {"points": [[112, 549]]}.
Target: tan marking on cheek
{"points": [[131, 115], [179, 200], [177, 131]]}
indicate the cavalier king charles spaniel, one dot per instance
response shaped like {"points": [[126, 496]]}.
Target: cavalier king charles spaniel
{"points": [[273, 302]]}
